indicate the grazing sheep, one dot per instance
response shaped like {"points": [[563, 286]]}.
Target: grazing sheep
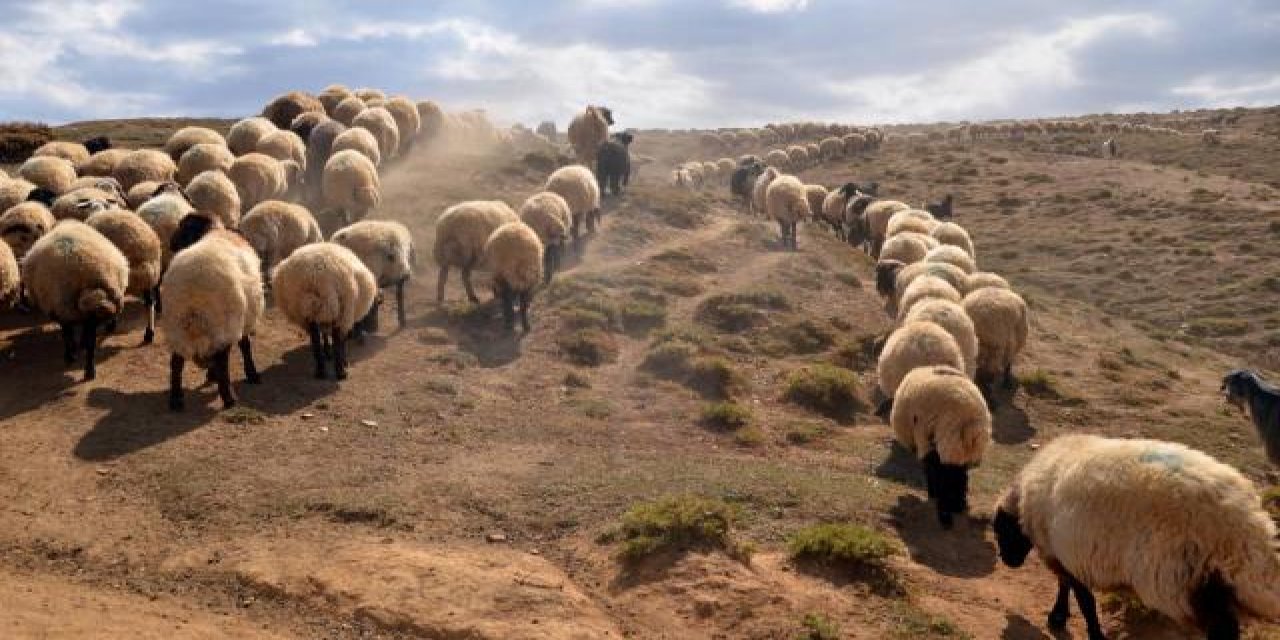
{"points": [[203, 157], [461, 233], [831, 211], [910, 220], [914, 344], [613, 164], [183, 139], [244, 135], [49, 172], [102, 163], [983, 279], [432, 118], [78, 278], [1001, 321], [275, 229], [797, 157], [950, 233], [867, 221], [386, 248], [939, 415], [358, 139], [893, 277], [213, 194], [163, 214], [14, 192], [925, 287], [305, 123], [382, 125], [576, 184], [1184, 532], [1247, 390], [144, 165], [283, 109], [549, 215], [742, 182], [350, 184], [408, 122], [141, 247], [941, 210], [213, 299], [761, 188], [787, 202], [514, 253], [72, 152], [81, 203], [283, 145], [325, 290], [258, 178], [348, 109], [952, 255], [949, 315], [588, 131], [907, 247], [23, 224], [10, 276]]}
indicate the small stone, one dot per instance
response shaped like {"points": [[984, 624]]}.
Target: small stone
{"points": [[1034, 446], [369, 423], [535, 552], [324, 429], [496, 537], [308, 415], [102, 471]]}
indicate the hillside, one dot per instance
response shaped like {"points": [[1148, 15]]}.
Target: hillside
{"points": [[464, 483]]}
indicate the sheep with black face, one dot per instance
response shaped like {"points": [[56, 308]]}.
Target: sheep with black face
{"points": [[613, 164], [1247, 390]]}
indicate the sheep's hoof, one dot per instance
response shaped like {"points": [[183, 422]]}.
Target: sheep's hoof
{"points": [[1058, 620]]}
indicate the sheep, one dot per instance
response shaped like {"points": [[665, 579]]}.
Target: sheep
{"points": [[77, 277], [787, 202], [1184, 532], [361, 140], [983, 279], [939, 415], [325, 290], [461, 233], [950, 233], [382, 125], [1247, 390], [613, 164], [102, 163], [348, 109], [761, 188], [72, 152], [23, 224], [141, 247], [331, 95], [244, 135], [386, 248], [14, 192], [49, 172], [275, 229], [777, 158], [212, 193], [924, 287], [163, 214], [81, 203], [185, 138], [408, 122], [213, 299], [514, 253], [831, 210], [579, 188], [952, 255], [258, 178], [284, 108], [140, 193], [797, 156], [549, 215], [867, 221], [742, 182], [948, 314], [369, 94], [893, 277], [830, 148], [10, 276], [305, 123], [588, 131], [910, 220], [813, 153], [203, 157], [907, 247], [283, 145], [350, 184], [432, 118], [319, 149], [144, 165], [941, 210], [1001, 321], [914, 344]]}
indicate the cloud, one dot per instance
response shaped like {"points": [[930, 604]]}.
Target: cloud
{"points": [[1214, 91], [770, 6]]}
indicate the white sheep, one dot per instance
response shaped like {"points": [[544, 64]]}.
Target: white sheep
{"points": [[275, 229], [939, 415], [183, 139], [761, 188], [925, 287], [332, 95], [244, 135], [347, 110], [513, 253], [432, 118], [10, 276], [350, 184], [140, 193], [282, 110], [379, 122], [282, 145], [163, 214], [49, 172], [102, 163], [83, 202], [213, 300], [212, 193], [907, 247], [983, 279], [203, 157], [1001, 321], [955, 235], [948, 314], [13, 192], [549, 215], [73, 152], [386, 248], [910, 220], [144, 165], [787, 203], [141, 247], [867, 221], [577, 185], [832, 209], [817, 196], [587, 131], [914, 344], [952, 255], [325, 290], [259, 178], [461, 233], [78, 278], [24, 223], [408, 122], [1184, 532], [358, 139]]}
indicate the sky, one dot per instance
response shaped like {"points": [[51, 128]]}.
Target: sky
{"points": [[656, 63]]}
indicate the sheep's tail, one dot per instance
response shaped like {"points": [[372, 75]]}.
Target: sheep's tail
{"points": [[98, 303]]}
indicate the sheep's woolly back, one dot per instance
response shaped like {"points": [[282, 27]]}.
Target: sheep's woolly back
{"points": [[952, 274], [358, 139], [915, 344], [212, 294], [817, 195], [213, 194], [513, 253], [832, 209], [163, 213], [831, 148], [102, 163], [14, 192], [955, 235], [22, 224], [275, 229], [331, 96], [183, 139], [244, 135], [283, 144], [73, 272], [385, 247], [50, 172], [587, 132], [382, 125], [140, 193], [939, 408], [83, 202], [72, 152], [549, 215], [577, 185], [925, 287], [203, 157], [10, 277], [408, 122], [907, 247], [777, 158], [786, 200], [1000, 320], [347, 110], [1157, 517], [910, 220], [350, 183], [325, 284], [950, 316], [760, 189], [258, 178], [144, 165], [952, 255], [877, 215], [984, 279], [432, 117], [463, 229], [284, 108], [137, 241]]}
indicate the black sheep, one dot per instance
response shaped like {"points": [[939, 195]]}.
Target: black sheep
{"points": [[613, 164], [100, 143], [1243, 387], [940, 210], [744, 178]]}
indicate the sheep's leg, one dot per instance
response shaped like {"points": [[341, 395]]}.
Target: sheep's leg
{"points": [[149, 335], [89, 341], [1010, 382], [175, 382], [155, 293], [548, 263], [369, 324], [246, 356], [222, 370], [68, 342], [1061, 606], [508, 305], [526, 297], [1088, 608], [317, 349], [400, 317], [1214, 605], [466, 284], [440, 282], [339, 354]]}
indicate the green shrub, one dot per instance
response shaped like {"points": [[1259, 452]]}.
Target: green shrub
{"points": [[589, 347], [735, 312], [670, 360], [642, 316], [1040, 383], [674, 524], [726, 415], [831, 391], [843, 545], [715, 378], [816, 626], [801, 337]]}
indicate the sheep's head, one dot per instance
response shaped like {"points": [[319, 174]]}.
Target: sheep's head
{"points": [[1013, 544], [848, 190], [887, 276], [100, 143], [1237, 386], [42, 195], [606, 113], [98, 303], [624, 137]]}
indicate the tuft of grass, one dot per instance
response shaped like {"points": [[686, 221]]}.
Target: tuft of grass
{"points": [[841, 545], [575, 380], [800, 433], [679, 523], [1040, 383], [800, 337], [589, 347], [734, 312], [670, 360], [243, 415], [858, 354], [815, 626], [751, 436], [642, 316], [727, 416], [914, 624], [830, 391], [715, 377]]}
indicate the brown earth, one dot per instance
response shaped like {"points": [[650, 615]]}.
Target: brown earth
{"points": [[459, 483]]}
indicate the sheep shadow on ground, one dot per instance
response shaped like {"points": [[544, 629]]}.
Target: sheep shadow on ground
{"points": [[136, 421], [963, 552], [291, 383], [1017, 627], [1010, 424], [34, 356], [901, 467]]}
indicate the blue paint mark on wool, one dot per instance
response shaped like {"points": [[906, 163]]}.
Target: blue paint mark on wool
{"points": [[1166, 458]]}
